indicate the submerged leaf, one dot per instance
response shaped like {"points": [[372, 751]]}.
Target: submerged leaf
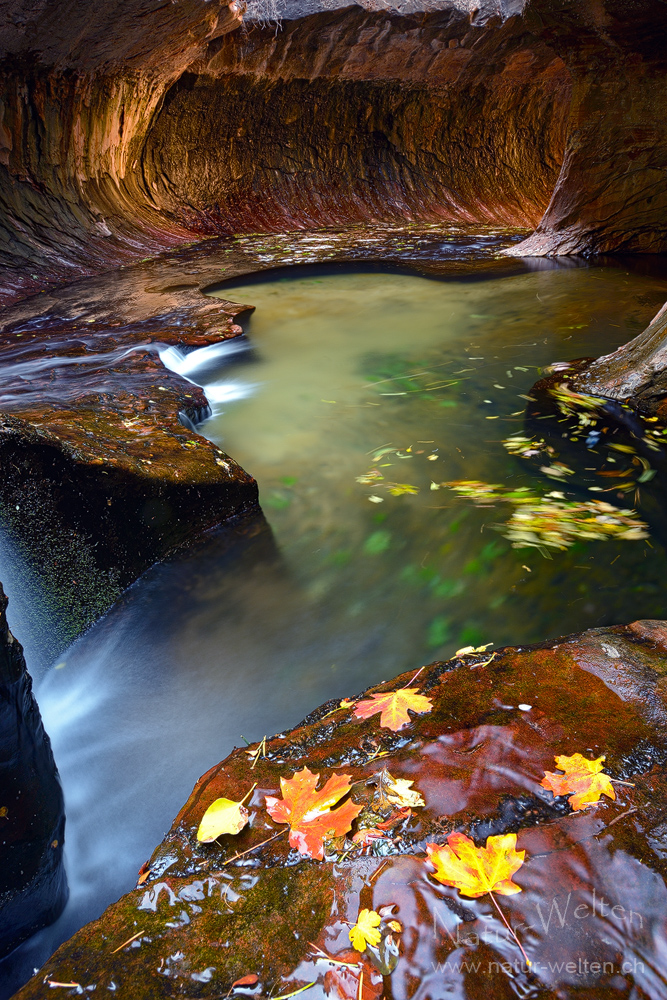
{"points": [[474, 871], [582, 780], [365, 931]]}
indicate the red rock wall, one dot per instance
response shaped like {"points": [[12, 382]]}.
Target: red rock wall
{"points": [[354, 116], [612, 191], [129, 127]]}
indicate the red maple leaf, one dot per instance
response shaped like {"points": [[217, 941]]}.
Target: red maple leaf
{"points": [[310, 813]]}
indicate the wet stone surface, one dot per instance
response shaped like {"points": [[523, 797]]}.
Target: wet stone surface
{"points": [[103, 472], [591, 913]]}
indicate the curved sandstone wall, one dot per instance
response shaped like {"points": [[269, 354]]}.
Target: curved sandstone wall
{"points": [[352, 115], [129, 127]]}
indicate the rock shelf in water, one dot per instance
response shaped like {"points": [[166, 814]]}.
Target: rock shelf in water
{"points": [[102, 471], [591, 913]]}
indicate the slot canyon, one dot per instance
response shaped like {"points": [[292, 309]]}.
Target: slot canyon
{"points": [[251, 254]]}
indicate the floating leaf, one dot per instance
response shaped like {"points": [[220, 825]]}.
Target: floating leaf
{"points": [[310, 813], [474, 871], [365, 931], [582, 780], [394, 706], [551, 521], [557, 470], [525, 447], [223, 816], [369, 477], [398, 489]]}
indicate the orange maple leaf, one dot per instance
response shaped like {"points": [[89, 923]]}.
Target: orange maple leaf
{"points": [[394, 706], [582, 777], [474, 871], [310, 813]]}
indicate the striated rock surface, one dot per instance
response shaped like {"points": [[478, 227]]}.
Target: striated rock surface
{"points": [[611, 193], [591, 913], [137, 127], [33, 886], [635, 372]]}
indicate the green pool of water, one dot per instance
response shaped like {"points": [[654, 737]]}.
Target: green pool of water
{"points": [[345, 365]]}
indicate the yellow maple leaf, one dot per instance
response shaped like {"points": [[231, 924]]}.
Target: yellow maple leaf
{"points": [[582, 780], [394, 707], [365, 930], [472, 649], [474, 871]]}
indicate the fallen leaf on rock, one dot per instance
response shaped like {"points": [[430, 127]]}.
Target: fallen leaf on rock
{"points": [[582, 780], [143, 873], [465, 650], [396, 817], [250, 980], [473, 870], [365, 931], [344, 983], [369, 835], [392, 791], [223, 816], [394, 707], [310, 813]]}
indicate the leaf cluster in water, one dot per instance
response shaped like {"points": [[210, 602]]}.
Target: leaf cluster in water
{"points": [[551, 521]]}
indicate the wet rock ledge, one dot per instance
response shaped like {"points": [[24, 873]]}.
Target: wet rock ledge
{"points": [[248, 916], [102, 471]]}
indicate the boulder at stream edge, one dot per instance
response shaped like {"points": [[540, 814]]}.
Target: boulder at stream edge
{"points": [[591, 916]]}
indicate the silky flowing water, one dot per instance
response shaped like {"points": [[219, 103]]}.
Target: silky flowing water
{"points": [[341, 373]]}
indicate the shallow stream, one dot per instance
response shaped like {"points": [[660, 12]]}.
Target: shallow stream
{"points": [[344, 372]]}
